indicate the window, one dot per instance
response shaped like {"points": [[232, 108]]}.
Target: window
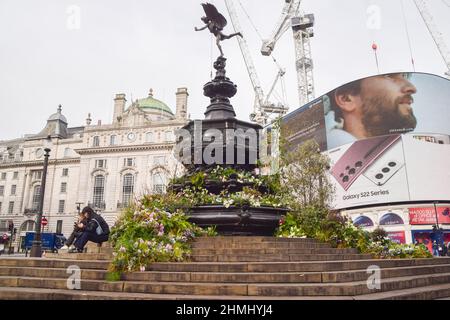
{"points": [[65, 172], [3, 175], [0, 208], [11, 207], [96, 141], [36, 198], [159, 185], [99, 190], [100, 164], [159, 160], [128, 162], [2, 191], [113, 140], [149, 137], [168, 136], [59, 226], [63, 187], [62, 205], [127, 189], [13, 190], [29, 225], [67, 152], [37, 175], [15, 175]]}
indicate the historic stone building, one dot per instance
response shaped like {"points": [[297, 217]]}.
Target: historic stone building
{"points": [[101, 165]]}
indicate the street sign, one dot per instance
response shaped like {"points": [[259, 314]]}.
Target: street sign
{"points": [[44, 221]]}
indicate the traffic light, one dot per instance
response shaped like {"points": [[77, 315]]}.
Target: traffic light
{"points": [[11, 227]]}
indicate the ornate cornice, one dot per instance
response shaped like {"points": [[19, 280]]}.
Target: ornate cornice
{"points": [[38, 163], [111, 149]]}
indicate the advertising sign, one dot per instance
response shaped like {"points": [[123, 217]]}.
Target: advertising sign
{"points": [[388, 169], [430, 215], [397, 237], [398, 103]]}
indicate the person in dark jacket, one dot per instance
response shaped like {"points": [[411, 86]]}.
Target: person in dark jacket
{"points": [[78, 229], [96, 230]]}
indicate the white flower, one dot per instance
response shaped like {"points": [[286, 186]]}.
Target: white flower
{"points": [[142, 268]]}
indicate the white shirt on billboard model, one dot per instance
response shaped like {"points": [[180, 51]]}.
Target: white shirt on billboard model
{"points": [[336, 135]]}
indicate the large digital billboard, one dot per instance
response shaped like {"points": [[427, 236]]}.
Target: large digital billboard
{"points": [[387, 104], [391, 168]]}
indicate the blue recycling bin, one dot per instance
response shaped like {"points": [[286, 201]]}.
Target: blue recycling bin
{"points": [[50, 241]]}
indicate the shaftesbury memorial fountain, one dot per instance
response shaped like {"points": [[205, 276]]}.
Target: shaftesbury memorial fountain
{"points": [[222, 141]]}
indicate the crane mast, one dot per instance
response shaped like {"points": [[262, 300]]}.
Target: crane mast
{"points": [[436, 35], [302, 30], [262, 108]]}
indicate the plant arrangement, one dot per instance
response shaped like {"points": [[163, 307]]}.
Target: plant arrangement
{"points": [[154, 229], [340, 232]]}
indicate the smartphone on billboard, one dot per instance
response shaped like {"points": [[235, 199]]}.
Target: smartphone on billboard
{"points": [[359, 157]]}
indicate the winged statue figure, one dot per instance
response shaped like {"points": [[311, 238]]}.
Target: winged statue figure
{"points": [[215, 22]]}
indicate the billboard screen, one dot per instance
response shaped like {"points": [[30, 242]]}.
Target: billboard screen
{"points": [[393, 168], [388, 104]]}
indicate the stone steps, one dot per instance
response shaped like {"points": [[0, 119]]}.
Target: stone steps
{"points": [[200, 251], [241, 268], [305, 266], [278, 257], [236, 277], [434, 292], [232, 289]]}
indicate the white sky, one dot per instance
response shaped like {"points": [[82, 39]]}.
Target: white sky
{"points": [[131, 46]]}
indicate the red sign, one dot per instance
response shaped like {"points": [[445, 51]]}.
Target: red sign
{"points": [[397, 237], [428, 215], [44, 221], [5, 237]]}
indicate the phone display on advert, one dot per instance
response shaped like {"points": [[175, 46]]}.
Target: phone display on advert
{"points": [[359, 157]]}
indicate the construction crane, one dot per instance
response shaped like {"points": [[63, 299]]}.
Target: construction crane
{"points": [[264, 110], [437, 36], [302, 27]]}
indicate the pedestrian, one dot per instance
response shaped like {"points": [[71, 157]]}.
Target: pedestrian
{"points": [[435, 248], [78, 229], [96, 230], [448, 248]]}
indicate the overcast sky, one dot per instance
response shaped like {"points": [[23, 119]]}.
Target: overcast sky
{"points": [[131, 46]]}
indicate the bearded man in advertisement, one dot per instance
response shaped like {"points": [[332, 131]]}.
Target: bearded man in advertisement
{"points": [[371, 107]]}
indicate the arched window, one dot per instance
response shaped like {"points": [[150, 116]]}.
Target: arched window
{"points": [[99, 191], [149, 137], [113, 140], [127, 189], [168, 136], [390, 219], [159, 184], [96, 141], [363, 222], [36, 198], [28, 225]]}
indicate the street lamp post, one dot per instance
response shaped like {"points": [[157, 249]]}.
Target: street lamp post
{"points": [[436, 214], [36, 248]]}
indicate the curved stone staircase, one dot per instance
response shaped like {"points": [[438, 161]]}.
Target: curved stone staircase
{"points": [[241, 268]]}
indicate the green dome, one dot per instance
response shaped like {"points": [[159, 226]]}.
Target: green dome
{"points": [[151, 103]]}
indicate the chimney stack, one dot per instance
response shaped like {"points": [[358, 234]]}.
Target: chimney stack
{"points": [[182, 100], [119, 107]]}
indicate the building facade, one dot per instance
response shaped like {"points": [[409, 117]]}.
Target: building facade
{"points": [[104, 166]]}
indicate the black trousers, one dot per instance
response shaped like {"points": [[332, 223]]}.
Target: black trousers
{"points": [[89, 236], [75, 234]]}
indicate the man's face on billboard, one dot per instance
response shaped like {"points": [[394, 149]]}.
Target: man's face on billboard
{"points": [[386, 104]]}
